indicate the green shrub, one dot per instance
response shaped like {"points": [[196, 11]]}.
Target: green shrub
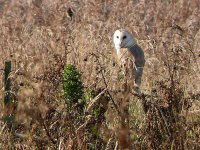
{"points": [[72, 85]]}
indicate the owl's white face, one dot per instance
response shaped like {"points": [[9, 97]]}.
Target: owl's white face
{"points": [[123, 39]]}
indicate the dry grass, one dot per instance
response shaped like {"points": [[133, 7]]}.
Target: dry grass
{"points": [[41, 36]]}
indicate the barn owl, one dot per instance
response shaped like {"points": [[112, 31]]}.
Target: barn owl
{"points": [[127, 51]]}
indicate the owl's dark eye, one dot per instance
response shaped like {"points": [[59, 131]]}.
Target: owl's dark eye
{"points": [[124, 37], [117, 36]]}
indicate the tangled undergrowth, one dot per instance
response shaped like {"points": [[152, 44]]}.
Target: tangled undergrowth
{"points": [[67, 90]]}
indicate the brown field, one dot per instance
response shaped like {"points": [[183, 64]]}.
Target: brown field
{"points": [[41, 36]]}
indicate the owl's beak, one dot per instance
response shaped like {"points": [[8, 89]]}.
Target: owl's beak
{"points": [[120, 44]]}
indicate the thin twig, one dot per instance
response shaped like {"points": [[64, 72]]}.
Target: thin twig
{"points": [[48, 134], [104, 80], [24, 136], [165, 121], [95, 100]]}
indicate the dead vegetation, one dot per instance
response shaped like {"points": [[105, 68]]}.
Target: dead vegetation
{"points": [[41, 36]]}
